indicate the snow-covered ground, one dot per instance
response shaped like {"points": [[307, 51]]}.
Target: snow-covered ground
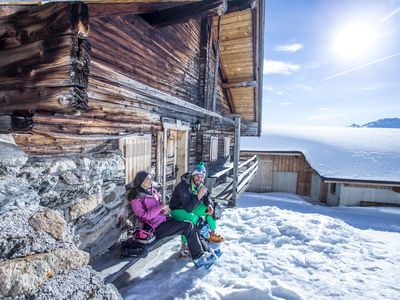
{"points": [[279, 246], [337, 152]]}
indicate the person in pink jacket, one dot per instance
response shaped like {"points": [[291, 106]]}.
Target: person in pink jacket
{"points": [[147, 205]]}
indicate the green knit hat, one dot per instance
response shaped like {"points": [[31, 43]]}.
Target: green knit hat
{"points": [[200, 168]]}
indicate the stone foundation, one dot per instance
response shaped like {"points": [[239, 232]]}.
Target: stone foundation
{"points": [[88, 190]]}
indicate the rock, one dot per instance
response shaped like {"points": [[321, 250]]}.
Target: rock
{"points": [[16, 192], [50, 222], [12, 158], [62, 165], [85, 206], [88, 190], [83, 283], [18, 238], [70, 178], [35, 263], [25, 275]]}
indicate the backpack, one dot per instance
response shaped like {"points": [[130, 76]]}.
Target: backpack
{"points": [[131, 248], [144, 233]]}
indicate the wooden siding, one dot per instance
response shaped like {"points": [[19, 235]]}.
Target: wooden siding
{"points": [[163, 58], [353, 194], [290, 173]]}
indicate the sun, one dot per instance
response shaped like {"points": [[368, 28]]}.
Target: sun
{"points": [[354, 40]]}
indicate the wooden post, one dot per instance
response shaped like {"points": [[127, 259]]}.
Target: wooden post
{"points": [[164, 163], [236, 160], [216, 73]]}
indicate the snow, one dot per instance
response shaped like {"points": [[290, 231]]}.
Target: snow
{"points": [[281, 246], [337, 152]]}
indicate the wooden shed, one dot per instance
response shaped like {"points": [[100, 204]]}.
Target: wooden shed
{"points": [[169, 83], [290, 172], [287, 172]]}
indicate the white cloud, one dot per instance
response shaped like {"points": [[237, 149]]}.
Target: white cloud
{"points": [[276, 91], [324, 108], [286, 103], [279, 67], [327, 116], [289, 47], [303, 87], [370, 88]]}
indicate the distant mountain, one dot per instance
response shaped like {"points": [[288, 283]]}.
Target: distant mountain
{"points": [[381, 123]]}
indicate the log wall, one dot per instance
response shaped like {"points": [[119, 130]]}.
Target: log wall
{"points": [[47, 58], [133, 67]]}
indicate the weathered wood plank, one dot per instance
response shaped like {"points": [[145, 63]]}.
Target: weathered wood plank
{"points": [[44, 21], [97, 9], [57, 99], [45, 58], [50, 62], [185, 12], [251, 83]]}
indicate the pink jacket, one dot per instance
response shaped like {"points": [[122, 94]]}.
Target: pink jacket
{"points": [[149, 208]]}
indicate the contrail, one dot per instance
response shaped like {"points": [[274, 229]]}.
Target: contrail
{"points": [[388, 16], [361, 67]]}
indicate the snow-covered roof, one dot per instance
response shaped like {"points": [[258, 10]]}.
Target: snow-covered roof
{"points": [[370, 154]]}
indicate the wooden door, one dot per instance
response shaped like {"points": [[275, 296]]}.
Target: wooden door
{"points": [[176, 155]]}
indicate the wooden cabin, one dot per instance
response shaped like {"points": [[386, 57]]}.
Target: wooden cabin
{"points": [[90, 88], [290, 172], [169, 83]]}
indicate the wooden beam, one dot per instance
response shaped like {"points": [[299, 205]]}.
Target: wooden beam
{"points": [[109, 9], [183, 13], [239, 5], [230, 85]]}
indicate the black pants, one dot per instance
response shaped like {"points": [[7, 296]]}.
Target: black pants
{"points": [[196, 245]]}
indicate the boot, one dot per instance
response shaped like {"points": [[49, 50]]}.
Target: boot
{"points": [[215, 237], [206, 260]]}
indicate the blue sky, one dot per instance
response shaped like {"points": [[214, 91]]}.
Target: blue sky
{"points": [[331, 62]]}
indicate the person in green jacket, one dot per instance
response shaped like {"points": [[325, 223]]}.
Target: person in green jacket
{"points": [[191, 201]]}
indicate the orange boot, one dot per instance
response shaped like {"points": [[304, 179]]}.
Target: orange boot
{"points": [[215, 237]]}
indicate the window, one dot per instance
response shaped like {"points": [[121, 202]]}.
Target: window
{"points": [[213, 148], [227, 146], [137, 153], [333, 188]]}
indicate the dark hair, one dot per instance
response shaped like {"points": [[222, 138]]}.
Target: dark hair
{"points": [[134, 187]]}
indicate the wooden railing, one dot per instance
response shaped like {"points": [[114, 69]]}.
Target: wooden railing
{"points": [[251, 166], [221, 183]]}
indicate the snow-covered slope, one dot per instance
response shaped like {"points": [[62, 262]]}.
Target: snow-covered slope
{"points": [[280, 247], [334, 152]]}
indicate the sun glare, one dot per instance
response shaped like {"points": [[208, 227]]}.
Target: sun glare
{"points": [[354, 41]]}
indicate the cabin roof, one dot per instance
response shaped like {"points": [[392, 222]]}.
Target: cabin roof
{"points": [[337, 154], [241, 49], [242, 61]]}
